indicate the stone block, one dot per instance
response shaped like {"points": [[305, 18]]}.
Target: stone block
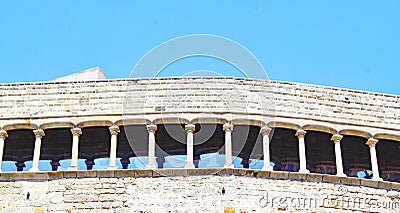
{"points": [[225, 171], [86, 174], [395, 186], [331, 179], [163, 172], [7, 176], [369, 183], [180, 172], [124, 173], [279, 175], [297, 176], [69, 174], [251, 173], [385, 185], [239, 172], [314, 177], [105, 173], [350, 181], [55, 175], [36, 176], [143, 173], [197, 172], [264, 174]]}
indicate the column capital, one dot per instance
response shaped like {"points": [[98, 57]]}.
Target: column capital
{"points": [[190, 127], [371, 142], [227, 127], [3, 134], [336, 138], [300, 133], [151, 127], [39, 133], [114, 130], [265, 130], [76, 131]]}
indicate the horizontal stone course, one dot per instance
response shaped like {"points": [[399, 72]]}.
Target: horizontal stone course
{"points": [[113, 176]]}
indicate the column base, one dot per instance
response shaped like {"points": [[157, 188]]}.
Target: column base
{"points": [[306, 171], [341, 175], [267, 168], [112, 168], [377, 179], [150, 166], [73, 168], [229, 165], [189, 166], [34, 169]]}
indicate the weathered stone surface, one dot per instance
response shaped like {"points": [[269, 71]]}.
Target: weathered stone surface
{"points": [[279, 175], [313, 177], [144, 173], [124, 173], [225, 171], [205, 193], [352, 181], [369, 183], [297, 176], [331, 179], [40, 101]]}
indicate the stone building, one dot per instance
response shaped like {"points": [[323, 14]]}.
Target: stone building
{"points": [[320, 148]]}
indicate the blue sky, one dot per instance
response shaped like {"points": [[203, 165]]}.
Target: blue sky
{"points": [[351, 44]]}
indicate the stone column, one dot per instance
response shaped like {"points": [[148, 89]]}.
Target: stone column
{"points": [[302, 151], [189, 146], [3, 136], [374, 161], [76, 132], [114, 130], [267, 159], [228, 128], [336, 138], [152, 146], [36, 153]]}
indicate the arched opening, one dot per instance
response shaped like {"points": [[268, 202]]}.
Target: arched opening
{"points": [[244, 139], [285, 150], [209, 141], [171, 145], [94, 143], [56, 146], [320, 153], [388, 152], [18, 150], [356, 157], [132, 147]]}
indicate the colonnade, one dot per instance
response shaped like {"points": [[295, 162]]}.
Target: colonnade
{"points": [[190, 128]]}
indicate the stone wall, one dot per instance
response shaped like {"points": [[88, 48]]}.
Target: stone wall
{"points": [[199, 190], [191, 95]]}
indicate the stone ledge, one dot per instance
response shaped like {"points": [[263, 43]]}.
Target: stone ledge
{"points": [[297, 176], [156, 173]]}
